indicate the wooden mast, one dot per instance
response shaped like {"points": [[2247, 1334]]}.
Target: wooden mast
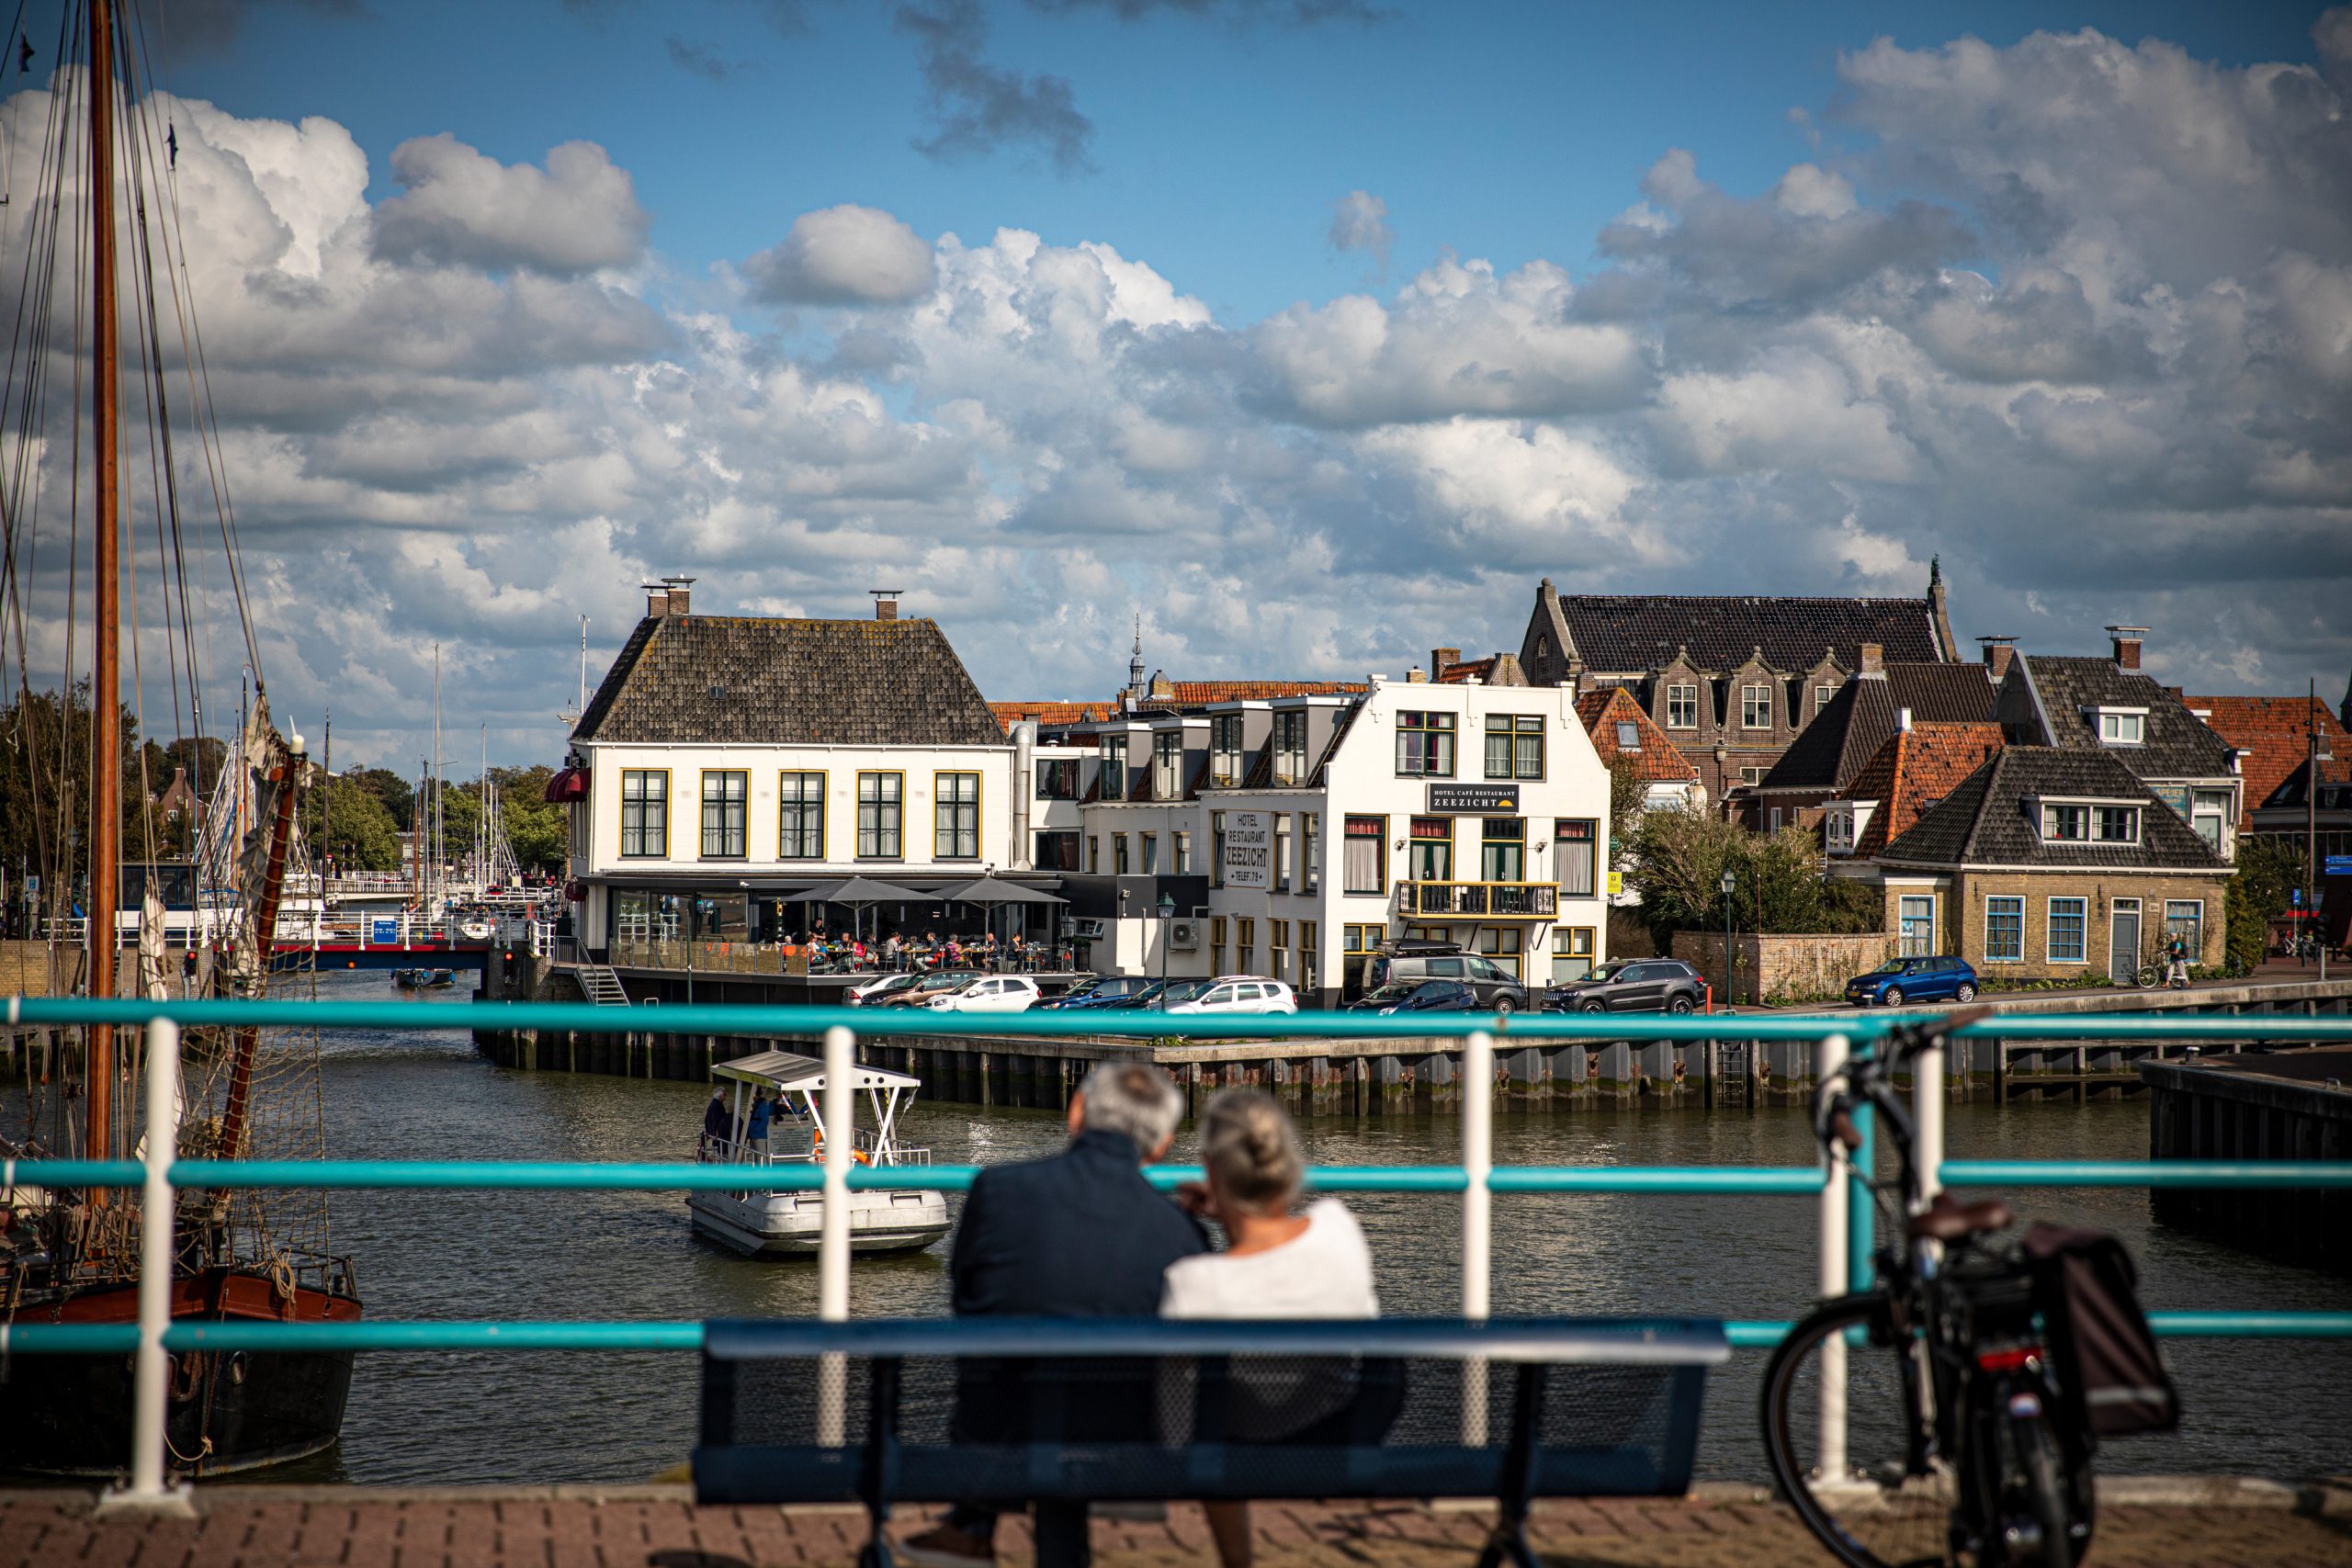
{"points": [[106, 675]]}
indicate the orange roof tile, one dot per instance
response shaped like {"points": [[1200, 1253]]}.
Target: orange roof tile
{"points": [[2272, 732], [1010, 714], [1912, 770], [1657, 758], [1189, 694]]}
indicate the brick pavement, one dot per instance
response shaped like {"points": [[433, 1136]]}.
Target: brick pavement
{"points": [[661, 1528]]}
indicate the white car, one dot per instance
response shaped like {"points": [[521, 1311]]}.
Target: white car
{"points": [[871, 991], [1240, 993], [989, 993]]}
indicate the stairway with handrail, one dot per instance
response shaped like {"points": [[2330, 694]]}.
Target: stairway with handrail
{"points": [[600, 985]]}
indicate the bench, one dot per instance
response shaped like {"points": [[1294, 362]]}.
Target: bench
{"points": [[1054, 1413]]}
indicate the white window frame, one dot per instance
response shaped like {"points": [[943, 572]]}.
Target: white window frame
{"points": [[1750, 696], [1684, 699], [1227, 754], [2121, 726], [1925, 943]]}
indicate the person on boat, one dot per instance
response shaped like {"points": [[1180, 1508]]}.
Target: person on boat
{"points": [[755, 1136], [1080, 1234], [716, 1121], [1276, 1263]]}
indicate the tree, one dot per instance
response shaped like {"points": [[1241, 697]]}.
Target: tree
{"points": [[1627, 792], [1678, 859], [343, 817], [540, 832], [392, 792], [2269, 868]]}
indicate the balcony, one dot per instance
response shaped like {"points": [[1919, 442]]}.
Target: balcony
{"points": [[1478, 900]]}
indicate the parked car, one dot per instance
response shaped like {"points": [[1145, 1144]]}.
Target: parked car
{"points": [[1901, 980], [1238, 993], [930, 985], [874, 992], [989, 993], [1153, 993], [1499, 989], [1099, 992], [1632, 985], [1419, 996]]}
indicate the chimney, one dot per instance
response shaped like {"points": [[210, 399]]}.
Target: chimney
{"points": [[681, 594], [886, 602], [1441, 656], [1903, 720], [1874, 659], [1417, 676], [1998, 651], [2126, 642], [657, 600]]}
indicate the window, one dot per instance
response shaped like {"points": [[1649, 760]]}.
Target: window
{"points": [[1575, 842], [1514, 746], [1224, 749], [1683, 708], [800, 809], [1629, 735], [1308, 954], [1503, 849], [1057, 852], [1503, 946], [1751, 776], [645, 811], [2117, 728], [1217, 945], [1150, 854], [1118, 854], [2117, 825], [1429, 849], [1775, 815], [2185, 918], [1311, 836], [1425, 745], [2208, 813], [1244, 942], [1756, 707], [1093, 855], [957, 810], [1114, 754], [1837, 830], [1168, 765], [1290, 747], [1057, 778], [2069, 919], [1572, 948], [879, 796], [1217, 848], [1360, 939], [1278, 948], [1281, 878], [2067, 823], [1361, 860], [1183, 854], [1821, 695], [2004, 929], [1915, 914]]}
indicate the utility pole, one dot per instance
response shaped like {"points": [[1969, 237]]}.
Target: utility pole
{"points": [[2311, 828]]}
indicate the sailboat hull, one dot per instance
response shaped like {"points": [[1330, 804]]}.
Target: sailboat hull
{"points": [[227, 1411]]}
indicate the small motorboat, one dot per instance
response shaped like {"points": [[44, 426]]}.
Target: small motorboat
{"points": [[763, 1224], [424, 979]]}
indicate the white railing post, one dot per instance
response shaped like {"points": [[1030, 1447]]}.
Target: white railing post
{"points": [[1829, 1454], [1928, 1118], [1477, 1091], [832, 1239], [151, 1374]]}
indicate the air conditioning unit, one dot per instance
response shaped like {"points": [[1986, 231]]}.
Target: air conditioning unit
{"points": [[1185, 936], [1087, 929]]}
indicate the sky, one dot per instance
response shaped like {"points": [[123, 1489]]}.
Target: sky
{"points": [[1311, 331]]}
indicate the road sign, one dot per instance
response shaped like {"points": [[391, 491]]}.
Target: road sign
{"points": [[2338, 865], [383, 933]]}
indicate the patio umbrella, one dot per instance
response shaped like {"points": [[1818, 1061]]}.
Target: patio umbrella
{"points": [[859, 893], [993, 890]]}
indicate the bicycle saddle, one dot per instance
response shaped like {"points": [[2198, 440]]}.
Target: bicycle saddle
{"points": [[1946, 1219]]}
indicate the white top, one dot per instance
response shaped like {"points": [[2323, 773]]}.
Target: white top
{"points": [[1323, 1272]]}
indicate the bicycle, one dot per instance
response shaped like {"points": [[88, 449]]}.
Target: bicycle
{"points": [[1954, 1437]]}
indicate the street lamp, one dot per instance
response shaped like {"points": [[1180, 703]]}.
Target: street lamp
{"points": [[1167, 913], [1729, 883]]}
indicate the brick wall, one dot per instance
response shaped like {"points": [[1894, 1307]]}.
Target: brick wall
{"points": [[1792, 967], [1963, 916]]}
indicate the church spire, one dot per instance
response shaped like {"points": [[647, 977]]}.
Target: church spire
{"points": [[1136, 687]]}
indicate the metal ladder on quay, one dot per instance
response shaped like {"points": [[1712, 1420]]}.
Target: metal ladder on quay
{"points": [[600, 985]]}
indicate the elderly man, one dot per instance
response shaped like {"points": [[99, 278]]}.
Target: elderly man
{"points": [[1079, 1235]]}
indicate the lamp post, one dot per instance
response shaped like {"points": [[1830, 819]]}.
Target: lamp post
{"points": [[1729, 884], [1167, 913]]}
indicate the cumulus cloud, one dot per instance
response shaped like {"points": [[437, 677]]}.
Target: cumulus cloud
{"points": [[1360, 222], [577, 215], [844, 255]]}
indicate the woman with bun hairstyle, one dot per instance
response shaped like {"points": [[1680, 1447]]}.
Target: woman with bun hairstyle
{"points": [[1275, 1264]]}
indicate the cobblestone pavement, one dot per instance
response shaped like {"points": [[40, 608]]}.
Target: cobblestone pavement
{"points": [[661, 1528]]}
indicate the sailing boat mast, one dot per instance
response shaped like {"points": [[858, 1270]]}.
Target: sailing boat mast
{"points": [[106, 630]]}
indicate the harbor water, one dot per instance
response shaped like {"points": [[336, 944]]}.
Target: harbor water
{"points": [[2277, 1407]]}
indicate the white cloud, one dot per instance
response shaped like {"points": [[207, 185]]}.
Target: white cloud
{"points": [[579, 214], [844, 255], [1360, 222]]}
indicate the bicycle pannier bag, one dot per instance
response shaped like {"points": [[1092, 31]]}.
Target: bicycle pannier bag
{"points": [[2108, 1364]]}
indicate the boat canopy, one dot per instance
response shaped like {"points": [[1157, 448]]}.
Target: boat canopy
{"points": [[788, 1070]]}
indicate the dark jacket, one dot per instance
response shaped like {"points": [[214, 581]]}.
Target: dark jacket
{"points": [[1079, 1235]]}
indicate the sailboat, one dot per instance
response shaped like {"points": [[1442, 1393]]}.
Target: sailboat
{"points": [[257, 1255]]}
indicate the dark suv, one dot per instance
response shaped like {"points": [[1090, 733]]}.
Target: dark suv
{"points": [[1632, 985], [1496, 988]]}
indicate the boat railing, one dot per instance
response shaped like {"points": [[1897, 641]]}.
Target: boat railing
{"points": [[1838, 1185]]}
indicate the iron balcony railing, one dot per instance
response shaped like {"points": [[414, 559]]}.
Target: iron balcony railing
{"points": [[1836, 1185], [1478, 900]]}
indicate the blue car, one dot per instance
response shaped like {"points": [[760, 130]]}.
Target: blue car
{"points": [[1111, 991], [1901, 980]]}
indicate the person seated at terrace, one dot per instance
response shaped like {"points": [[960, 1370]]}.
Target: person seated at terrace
{"points": [[1275, 1264]]}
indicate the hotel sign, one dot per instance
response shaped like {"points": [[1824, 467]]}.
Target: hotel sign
{"points": [[1474, 800], [1250, 848]]}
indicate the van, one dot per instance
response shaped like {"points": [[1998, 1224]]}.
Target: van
{"points": [[1412, 959]]}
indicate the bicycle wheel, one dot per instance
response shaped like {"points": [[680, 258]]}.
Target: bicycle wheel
{"points": [[2041, 1494], [1872, 1510]]}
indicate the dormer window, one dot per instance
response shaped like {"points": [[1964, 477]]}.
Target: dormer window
{"points": [[1225, 750], [2122, 727], [1115, 767], [1837, 827], [1290, 747], [1629, 736], [2088, 822]]}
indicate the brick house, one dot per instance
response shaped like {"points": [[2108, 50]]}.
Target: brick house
{"points": [[1733, 681], [1621, 730], [1868, 711], [2048, 862]]}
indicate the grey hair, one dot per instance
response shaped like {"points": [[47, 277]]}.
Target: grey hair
{"points": [[1250, 1150], [1134, 1098]]}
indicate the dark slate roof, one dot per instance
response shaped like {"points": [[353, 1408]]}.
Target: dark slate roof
{"points": [[1846, 734], [1986, 820], [734, 680], [1624, 632], [2178, 744]]}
